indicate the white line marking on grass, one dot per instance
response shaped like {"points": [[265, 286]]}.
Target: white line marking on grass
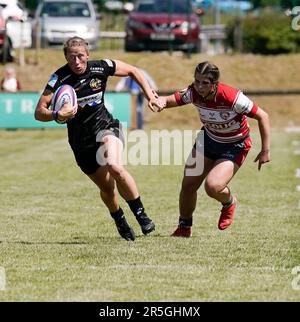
{"points": [[297, 152], [295, 142], [293, 129], [155, 266], [2, 278], [295, 281], [298, 173], [299, 204], [193, 267], [298, 188]]}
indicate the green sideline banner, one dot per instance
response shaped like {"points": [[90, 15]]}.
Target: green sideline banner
{"points": [[17, 110]]}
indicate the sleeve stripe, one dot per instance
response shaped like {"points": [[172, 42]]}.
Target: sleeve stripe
{"points": [[178, 98], [253, 111], [109, 62], [236, 98]]}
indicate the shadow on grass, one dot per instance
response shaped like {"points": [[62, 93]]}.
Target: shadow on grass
{"points": [[22, 242], [105, 239]]}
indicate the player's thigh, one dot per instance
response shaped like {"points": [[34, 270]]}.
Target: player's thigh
{"points": [[196, 169], [111, 151]]}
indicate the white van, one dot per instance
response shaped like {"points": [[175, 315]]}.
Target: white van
{"points": [[57, 20]]}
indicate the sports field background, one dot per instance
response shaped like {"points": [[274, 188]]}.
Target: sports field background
{"points": [[58, 243]]}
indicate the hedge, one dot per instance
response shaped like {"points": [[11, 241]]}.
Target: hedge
{"points": [[271, 34]]}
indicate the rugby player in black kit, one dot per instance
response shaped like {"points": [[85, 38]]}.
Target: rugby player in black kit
{"points": [[91, 126]]}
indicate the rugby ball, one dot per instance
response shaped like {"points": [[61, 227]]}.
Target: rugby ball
{"points": [[64, 93]]}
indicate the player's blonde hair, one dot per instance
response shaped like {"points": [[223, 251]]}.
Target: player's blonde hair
{"points": [[75, 42]]}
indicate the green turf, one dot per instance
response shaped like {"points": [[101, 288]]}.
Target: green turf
{"points": [[58, 243]]}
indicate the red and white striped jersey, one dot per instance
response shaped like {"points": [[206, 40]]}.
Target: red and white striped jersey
{"points": [[224, 118]]}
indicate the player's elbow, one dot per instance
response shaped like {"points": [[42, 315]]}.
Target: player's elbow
{"points": [[265, 117], [134, 72], [37, 115], [262, 116]]}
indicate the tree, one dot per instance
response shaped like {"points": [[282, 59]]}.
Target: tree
{"points": [[281, 3]]}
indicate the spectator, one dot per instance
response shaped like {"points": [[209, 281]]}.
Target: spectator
{"points": [[137, 98], [10, 83]]}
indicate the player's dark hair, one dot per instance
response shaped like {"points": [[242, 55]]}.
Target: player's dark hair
{"points": [[75, 42], [208, 69]]}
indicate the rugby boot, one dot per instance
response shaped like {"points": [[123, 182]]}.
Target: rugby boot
{"points": [[124, 229], [181, 231], [227, 214], [147, 225]]}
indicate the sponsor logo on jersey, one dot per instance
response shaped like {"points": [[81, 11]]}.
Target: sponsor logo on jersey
{"points": [[228, 155], [211, 116], [90, 100], [53, 79], [216, 126], [97, 69], [95, 84]]}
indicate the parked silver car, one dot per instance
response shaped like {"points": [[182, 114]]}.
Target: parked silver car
{"points": [[57, 20]]}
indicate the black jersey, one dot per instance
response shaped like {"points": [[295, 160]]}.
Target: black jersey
{"points": [[92, 115]]}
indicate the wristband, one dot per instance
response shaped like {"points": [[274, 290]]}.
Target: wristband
{"points": [[55, 115]]}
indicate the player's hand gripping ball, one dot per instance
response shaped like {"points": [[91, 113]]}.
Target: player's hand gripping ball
{"points": [[64, 93]]}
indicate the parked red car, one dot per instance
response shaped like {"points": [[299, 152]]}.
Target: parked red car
{"points": [[162, 25]]}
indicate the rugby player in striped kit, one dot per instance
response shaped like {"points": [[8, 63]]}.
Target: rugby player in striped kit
{"points": [[222, 145]]}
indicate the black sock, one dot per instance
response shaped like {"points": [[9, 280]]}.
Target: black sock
{"points": [[136, 206], [117, 215], [185, 222], [229, 202]]}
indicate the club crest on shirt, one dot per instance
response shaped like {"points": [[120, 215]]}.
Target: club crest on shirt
{"points": [[95, 84], [224, 115]]}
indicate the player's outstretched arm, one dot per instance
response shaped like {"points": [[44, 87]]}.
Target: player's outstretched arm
{"points": [[124, 69], [167, 102]]}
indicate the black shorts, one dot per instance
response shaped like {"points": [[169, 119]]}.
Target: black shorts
{"points": [[86, 159], [235, 152]]}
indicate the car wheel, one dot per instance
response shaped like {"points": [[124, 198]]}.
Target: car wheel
{"points": [[7, 52], [128, 47]]}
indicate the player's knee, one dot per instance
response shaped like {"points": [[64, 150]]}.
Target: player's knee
{"points": [[117, 171], [212, 188], [107, 190]]}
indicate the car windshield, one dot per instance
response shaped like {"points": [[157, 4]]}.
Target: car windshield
{"points": [[163, 6], [66, 9]]}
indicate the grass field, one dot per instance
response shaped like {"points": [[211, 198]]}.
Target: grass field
{"points": [[58, 243]]}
